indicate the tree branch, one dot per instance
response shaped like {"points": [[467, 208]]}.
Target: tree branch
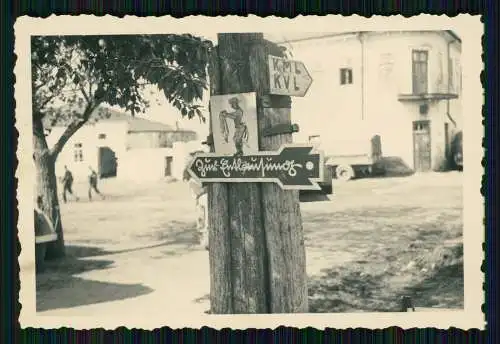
{"points": [[48, 100], [73, 128], [85, 95]]}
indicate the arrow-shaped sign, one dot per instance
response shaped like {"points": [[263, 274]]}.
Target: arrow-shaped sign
{"points": [[287, 77], [293, 167]]}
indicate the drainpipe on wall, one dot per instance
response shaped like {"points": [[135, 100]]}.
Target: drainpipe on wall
{"points": [[361, 38], [448, 52]]}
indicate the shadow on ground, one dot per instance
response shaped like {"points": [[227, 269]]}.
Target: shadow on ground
{"points": [[178, 237], [75, 261], [58, 287], [86, 292]]}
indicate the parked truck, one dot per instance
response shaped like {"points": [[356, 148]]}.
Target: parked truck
{"points": [[350, 155], [325, 184]]}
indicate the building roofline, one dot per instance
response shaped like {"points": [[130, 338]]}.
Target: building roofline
{"points": [[117, 116], [454, 35], [328, 35], [162, 131], [349, 33]]}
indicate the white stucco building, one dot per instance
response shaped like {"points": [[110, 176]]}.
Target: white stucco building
{"points": [[125, 147], [402, 85]]}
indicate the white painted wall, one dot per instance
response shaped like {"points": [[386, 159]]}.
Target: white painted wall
{"points": [[327, 104], [146, 164], [133, 164], [335, 111], [116, 135], [182, 156]]}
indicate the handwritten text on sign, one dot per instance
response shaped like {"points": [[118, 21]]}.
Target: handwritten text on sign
{"points": [[287, 77], [293, 167]]}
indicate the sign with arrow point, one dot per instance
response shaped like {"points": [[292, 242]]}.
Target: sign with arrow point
{"points": [[293, 167], [287, 77]]}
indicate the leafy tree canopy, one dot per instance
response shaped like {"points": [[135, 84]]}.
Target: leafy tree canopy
{"points": [[83, 72]]}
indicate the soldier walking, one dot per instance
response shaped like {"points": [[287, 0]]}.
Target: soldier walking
{"points": [[93, 184], [67, 182]]}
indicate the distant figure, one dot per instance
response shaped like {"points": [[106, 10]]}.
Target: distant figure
{"points": [[240, 128], [93, 184], [200, 195], [67, 182]]}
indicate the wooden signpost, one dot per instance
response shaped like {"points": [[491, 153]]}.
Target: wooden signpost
{"points": [[256, 240], [293, 167], [287, 77]]}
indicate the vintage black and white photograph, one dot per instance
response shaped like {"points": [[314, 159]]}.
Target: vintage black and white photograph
{"points": [[122, 230]]}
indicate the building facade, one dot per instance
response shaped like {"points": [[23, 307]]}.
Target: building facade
{"points": [[123, 146], [404, 86]]}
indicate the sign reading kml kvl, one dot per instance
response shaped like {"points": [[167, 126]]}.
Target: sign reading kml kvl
{"points": [[293, 167], [287, 77]]}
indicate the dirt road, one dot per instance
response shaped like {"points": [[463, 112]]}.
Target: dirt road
{"points": [[376, 240]]}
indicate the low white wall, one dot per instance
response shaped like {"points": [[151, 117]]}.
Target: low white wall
{"points": [[182, 156], [143, 164]]}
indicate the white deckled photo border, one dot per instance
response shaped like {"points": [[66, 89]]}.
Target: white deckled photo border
{"points": [[473, 214]]}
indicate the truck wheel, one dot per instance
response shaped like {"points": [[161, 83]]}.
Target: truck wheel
{"points": [[344, 172]]}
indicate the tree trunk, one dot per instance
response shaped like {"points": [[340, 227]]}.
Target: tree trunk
{"points": [[237, 251], [46, 186]]}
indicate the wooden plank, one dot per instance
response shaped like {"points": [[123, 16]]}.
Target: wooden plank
{"points": [[281, 209]]}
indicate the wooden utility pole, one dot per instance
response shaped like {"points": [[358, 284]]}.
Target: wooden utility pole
{"points": [[256, 243]]}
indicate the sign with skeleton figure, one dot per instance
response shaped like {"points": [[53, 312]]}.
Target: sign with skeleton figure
{"points": [[234, 123]]}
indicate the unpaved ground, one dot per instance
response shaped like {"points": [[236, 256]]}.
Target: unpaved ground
{"points": [[380, 239], [376, 240]]}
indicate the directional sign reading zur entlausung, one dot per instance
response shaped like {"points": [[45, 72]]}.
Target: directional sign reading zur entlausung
{"points": [[293, 167], [287, 77]]}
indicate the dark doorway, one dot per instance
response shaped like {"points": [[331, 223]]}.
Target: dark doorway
{"points": [[107, 162], [447, 144], [421, 146], [168, 166]]}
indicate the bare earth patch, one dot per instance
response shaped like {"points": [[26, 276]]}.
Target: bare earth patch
{"points": [[386, 241], [373, 242]]}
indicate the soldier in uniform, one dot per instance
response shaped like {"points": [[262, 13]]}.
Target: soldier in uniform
{"points": [[67, 182], [93, 184]]}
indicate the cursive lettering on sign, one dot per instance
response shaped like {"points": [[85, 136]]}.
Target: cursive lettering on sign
{"points": [[206, 165], [229, 167]]}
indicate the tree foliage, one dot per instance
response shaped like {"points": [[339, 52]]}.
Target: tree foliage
{"points": [[73, 75]]}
